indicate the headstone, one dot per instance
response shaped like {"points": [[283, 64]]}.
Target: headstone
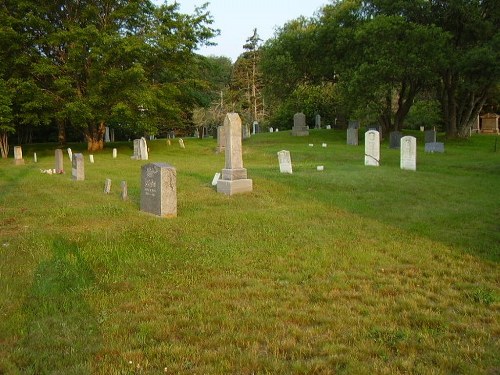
{"points": [[215, 179], [91, 158], [77, 170], [181, 143], [353, 124], [233, 177], [285, 161], [422, 128], [489, 123], [352, 136], [324, 145], [377, 128], [106, 134], [221, 139], [143, 149], [430, 136], [271, 130], [320, 168], [328, 127], [317, 121], [311, 144], [169, 142], [299, 125], [115, 153], [254, 127], [59, 167], [372, 148], [434, 147], [35, 159], [395, 139], [196, 133], [159, 189], [18, 155], [245, 132], [70, 154], [408, 146], [124, 192], [277, 130], [107, 186]]}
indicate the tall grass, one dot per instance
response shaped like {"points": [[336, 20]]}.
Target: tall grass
{"points": [[351, 270]]}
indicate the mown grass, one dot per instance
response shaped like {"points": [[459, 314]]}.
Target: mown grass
{"points": [[351, 270]]}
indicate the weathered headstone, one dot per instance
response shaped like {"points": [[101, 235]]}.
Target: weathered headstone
{"points": [[159, 189], [124, 192], [70, 154], [430, 136], [107, 186], [317, 121], [299, 125], [18, 155], [78, 170], [271, 130], [140, 149], [285, 161], [352, 136], [233, 177], [221, 139], [408, 146], [395, 139], [372, 148], [91, 158], [434, 147], [35, 158], [181, 143], [115, 153], [59, 166]]}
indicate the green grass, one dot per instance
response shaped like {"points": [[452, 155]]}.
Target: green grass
{"points": [[351, 270]]}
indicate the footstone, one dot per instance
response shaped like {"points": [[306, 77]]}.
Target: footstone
{"points": [[159, 189]]}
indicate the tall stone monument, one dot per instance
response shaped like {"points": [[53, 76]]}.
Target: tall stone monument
{"points": [[159, 189], [233, 177], [409, 153], [372, 148], [299, 125]]}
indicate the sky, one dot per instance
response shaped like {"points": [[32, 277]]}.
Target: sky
{"points": [[236, 20]]}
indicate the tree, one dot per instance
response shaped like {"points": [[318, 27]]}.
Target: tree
{"points": [[6, 117]]}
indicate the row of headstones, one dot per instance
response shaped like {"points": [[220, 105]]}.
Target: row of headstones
{"points": [[408, 147], [18, 157]]}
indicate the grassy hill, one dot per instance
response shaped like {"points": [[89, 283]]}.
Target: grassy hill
{"points": [[350, 270]]}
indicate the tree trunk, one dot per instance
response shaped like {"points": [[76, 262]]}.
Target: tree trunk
{"points": [[4, 145], [61, 132], [95, 136]]}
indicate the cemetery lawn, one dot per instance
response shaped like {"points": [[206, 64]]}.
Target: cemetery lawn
{"points": [[355, 270]]}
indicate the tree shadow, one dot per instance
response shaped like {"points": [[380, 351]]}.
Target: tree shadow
{"points": [[62, 333]]}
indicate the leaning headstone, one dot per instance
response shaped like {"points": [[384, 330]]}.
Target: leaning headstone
{"points": [[434, 147], [221, 139], [395, 139], [143, 149], [91, 158], [430, 136], [124, 192], [317, 121], [181, 143], [59, 167], [107, 186], [77, 170], [233, 177], [299, 125], [35, 159], [159, 189], [285, 161], [372, 148], [215, 179], [70, 154], [18, 155], [115, 153], [352, 136], [408, 153]]}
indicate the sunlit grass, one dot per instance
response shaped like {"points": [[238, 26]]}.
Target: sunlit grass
{"points": [[349, 270]]}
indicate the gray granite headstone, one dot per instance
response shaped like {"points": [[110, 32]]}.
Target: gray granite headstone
{"points": [[299, 125], [395, 139], [159, 189], [434, 147], [285, 161], [78, 170], [372, 148], [59, 164], [352, 136], [430, 136], [353, 124], [317, 121], [408, 158]]}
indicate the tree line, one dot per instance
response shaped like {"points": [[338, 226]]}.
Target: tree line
{"points": [[78, 66]]}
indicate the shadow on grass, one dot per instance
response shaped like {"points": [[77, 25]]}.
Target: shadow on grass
{"points": [[62, 333]]}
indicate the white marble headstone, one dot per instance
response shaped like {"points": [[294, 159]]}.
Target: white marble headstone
{"points": [[285, 161], [372, 148], [409, 153]]}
